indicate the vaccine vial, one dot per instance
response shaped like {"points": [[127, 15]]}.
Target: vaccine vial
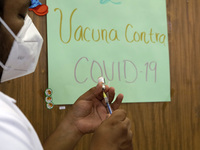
{"points": [[102, 80]]}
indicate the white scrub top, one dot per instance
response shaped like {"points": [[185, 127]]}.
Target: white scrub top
{"points": [[16, 132]]}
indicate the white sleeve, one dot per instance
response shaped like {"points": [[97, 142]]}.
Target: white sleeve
{"points": [[13, 133], [16, 132]]}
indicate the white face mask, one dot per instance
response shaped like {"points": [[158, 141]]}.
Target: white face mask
{"points": [[24, 53]]}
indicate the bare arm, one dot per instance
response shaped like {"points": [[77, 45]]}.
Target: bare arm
{"points": [[65, 137]]}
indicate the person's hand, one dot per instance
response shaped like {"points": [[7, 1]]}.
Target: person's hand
{"points": [[113, 134], [85, 116], [90, 110]]}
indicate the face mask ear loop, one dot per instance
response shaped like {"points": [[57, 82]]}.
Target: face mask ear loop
{"points": [[3, 66], [9, 30]]}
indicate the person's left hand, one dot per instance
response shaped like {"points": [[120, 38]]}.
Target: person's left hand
{"points": [[90, 110]]}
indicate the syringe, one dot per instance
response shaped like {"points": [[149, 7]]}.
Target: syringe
{"points": [[101, 80]]}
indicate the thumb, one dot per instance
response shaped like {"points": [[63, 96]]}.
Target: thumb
{"points": [[118, 115]]}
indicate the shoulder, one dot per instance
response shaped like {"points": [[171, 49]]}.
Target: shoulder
{"points": [[13, 133], [15, 130]]}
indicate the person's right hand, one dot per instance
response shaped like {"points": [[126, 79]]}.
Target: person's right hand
{"points": [[114, 133]]}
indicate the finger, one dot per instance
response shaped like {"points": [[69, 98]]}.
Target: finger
{"points": [[99, 91], [94, 92], [107, 91], [127, 123], [108, 115], [118, 116], [115, 105], [111, 94], [128, 144], [130, 135]]}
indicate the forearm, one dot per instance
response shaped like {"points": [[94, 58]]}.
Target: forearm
{"points": [[65, 137]]}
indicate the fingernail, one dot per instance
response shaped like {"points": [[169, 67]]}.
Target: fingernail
{"points": [[108, 115]]}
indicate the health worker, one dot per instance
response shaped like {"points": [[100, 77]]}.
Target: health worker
{"points": [[20, 47]]}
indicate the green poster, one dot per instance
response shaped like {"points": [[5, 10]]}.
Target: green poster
{"points": [[125, 41]]}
